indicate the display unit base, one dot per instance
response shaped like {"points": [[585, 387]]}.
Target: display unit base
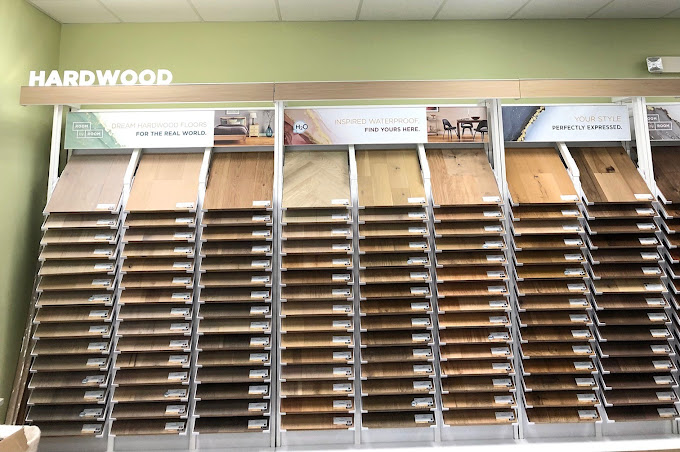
{"points": [[639, 428], [220, 441], [69, 444], [136, 443], [561, 431], [502, 434], [317, 437], [398, 435]]}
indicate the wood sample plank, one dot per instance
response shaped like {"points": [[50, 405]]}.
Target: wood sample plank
{"points": [[290, 405], [558, 415], [311, 246], [165, 182], [389, 178], [75, 267], [457, 401], [557, 382], [89, 184], [316, 262], [640, 413], [78, 221], [666, 169], [537, 242], [548, 212], [381, 215], [236, 217], [538, 176], [639, 381], [316, 216], [240, 180], [315, 179], [479, 417], [609, 175], [462, 177], [469, 213], [160, 219], [621, 211]]}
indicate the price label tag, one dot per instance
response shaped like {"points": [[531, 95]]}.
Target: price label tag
{"points": [[498, 319], [261, 218], [97, 345], [95, 429], [342, 387], [421, 337], [644, 211], [178, 376], [344, 404], [581, 318], [646, 226], [183, 235], [94, 395], [342, 371], [650, 256], [660, 349], [340, 216], [103, 266], [259, 357], [342, 324], [495, 274], [342, 355], [578, 302], [570, 227], [106, 206], [499, 336], [99, 329], [342, 340], [665, 395], [96, 362], [422, 352], [667, 412], [495, 258], [181, 296], [416, 200], [259, 310], [258, 373], [651, 270], [99, 313], [179, 326], [416, 261], [178, 359], [491, 198], [585, 381], [259, 294], [654, 287], [100, 297], [341, 292], [418, 215], [648, 240], [500, 351], [492, 213], [422, 368], [576, 287], [260, 264], [259, 326], [493, 228], [106, 222], [345, 262], [419, 275], [423, 385], [264, 233], [342, 308], [494, 244], [502, 382], [582, 349], [342, 231], [580, 333], [180, 312], [261, 248], [424, 418], [569, 197], [663, 379], [103, 251], [341, 247], [94, 379], [587, 397], [504, 400], [184, 265], [417, 230], [662, 332], [573, 257], [497, 289], [570, 213], [504, 415], [183, 250], [420, 290], [101, 282], [498, 304], [420, 321], [258, 389], [184, 205], [643, 196], [662, 364], [657, 316], [342, 420], [587, 414], [574, 272], [260, 279], [420, 306], [176, 393], [176, 409], [174, 426], [501, 366], [340, 202], [179, 343], [573, 242], [422, 402], [184, 220], [185, 280], [262, 203], [418, 245], [584, 365]]}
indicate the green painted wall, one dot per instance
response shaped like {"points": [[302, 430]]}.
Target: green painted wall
{"points": [[242, 52], [29, 40]]}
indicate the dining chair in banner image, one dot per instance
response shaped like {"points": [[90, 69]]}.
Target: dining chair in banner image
{"points": [[449, 128], [466, 125], [482, 127]]}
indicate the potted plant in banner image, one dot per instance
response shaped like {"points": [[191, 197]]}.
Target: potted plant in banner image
{"points": [[268, 116]]}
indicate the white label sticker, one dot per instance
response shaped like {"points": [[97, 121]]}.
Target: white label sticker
{"points": [[663, 379], [644, 211], [176, 409], [340, 202], [184, 205], [573, 242], [657, 316], [340, 216], [265, 233], [106, 206], [662, 364], [584, 381], [181, 296], [178, 359], [99, 379], [501, 366], [582, 349], [179, 343], [418, 245], [494, 244], [416, 261], [180, 312], [500, 351], [344, 371], [665, 395], [495, 258], [659, 332], [341, 292], [345, 262], [420, 306], [100, 297], [573, 257], [417, 230], [419, 275], [342, 355], [654, 287], [569, 197], [183, 235], [103, 266], [184, 265], [261, 218], [96, 362], [94, 395], [258, 389], [667, 412], [578, 318], [260, 326], [103, 251], [492, 213], [643, 196], [587, 414], [570, 227], [646, 226], [342, 387], [92, 428], [416, 200], [259, 309], [583, 365], [261, 248], [420, 290], [180, 326], [498, 319], [424, 418], [420, 321], [421, 337], [574, 272], [342, 324], [260, 278], [648, 240], [184, 220], [99, 329], [651, 270], [342, 308], [495, 274], [342, 339], [578, 302], [497, 289], [183, 250], [499, 335], [97, 345], [504, 415], [342, 404], [503, 400], [587, 397], [101, 282], [576, 287], [262, 203], [650, 256], [340, 231], [423, 385], [493, 228], [341, 246], [418, 215], [580, 333], [106, 222], [422, 402], [176, 393], [259, 294], [342, 420], [178, 376], [498, 304], [259, 357], [491, 198], [570, 213], [174, 426], [258, 373], [181, 280], [99, 314], [426, 352]]}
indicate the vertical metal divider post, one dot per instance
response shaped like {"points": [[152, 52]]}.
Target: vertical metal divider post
{"points": [[354, 196], [115, 322], [496, 145], [434, 305], [646, 167], [195, 318], [55, 150], [277, 209]]}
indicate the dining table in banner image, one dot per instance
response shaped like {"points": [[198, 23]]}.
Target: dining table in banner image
{"points": [[472, 120]]}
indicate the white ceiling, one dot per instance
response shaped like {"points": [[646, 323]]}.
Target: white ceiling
{"points": [[113, 11]]}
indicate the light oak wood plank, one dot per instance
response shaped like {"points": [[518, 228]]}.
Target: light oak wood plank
{"points": [[462, 177], [538, 176], [315, 179], [240, 180], [389, 178]]}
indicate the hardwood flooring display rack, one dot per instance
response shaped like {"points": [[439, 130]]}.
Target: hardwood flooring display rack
{"points": [[358, 295]]}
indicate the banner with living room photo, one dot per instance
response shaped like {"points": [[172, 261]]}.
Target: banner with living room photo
{"points": [[255, 127]]}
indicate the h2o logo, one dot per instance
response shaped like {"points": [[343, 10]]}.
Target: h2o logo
{"points": [[300, 127]]}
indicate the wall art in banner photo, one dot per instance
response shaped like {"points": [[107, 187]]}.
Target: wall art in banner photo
{"points": [[663, 122]]}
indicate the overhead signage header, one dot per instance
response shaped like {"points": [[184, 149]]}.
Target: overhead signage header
{"points": [[566, 123], [355, 126], [99, 77]]}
